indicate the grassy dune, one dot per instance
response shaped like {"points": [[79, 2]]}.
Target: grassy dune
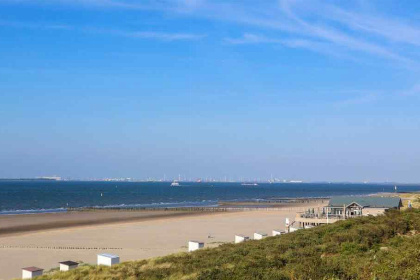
{"points": [[413, 197], [384, 247]]}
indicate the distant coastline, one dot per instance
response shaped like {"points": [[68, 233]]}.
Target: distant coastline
{"points": [[217, 181], [28, 179]]}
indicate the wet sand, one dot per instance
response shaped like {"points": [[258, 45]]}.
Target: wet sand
{"points": [[131, 235], [14, 224]]}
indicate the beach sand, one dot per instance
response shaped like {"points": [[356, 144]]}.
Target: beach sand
{"points": [[131, 235]]}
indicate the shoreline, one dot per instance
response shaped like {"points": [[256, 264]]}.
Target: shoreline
{"points": [[21, 224], [280, 201], [222, 204], [81, 217]]}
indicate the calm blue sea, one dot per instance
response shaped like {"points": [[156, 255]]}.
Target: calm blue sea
{"points": [[53, 196]]}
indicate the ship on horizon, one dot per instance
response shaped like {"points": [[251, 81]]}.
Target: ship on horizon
{"points": [[175, 183]]}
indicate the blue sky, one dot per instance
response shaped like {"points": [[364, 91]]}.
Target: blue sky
{"points": [[310, 90]]}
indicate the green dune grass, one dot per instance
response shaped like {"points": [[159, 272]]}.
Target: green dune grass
{"points": [[384, 247]]}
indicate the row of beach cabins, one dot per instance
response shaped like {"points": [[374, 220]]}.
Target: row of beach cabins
{"points": [[110, 259], [103, 259], [195, 245]]}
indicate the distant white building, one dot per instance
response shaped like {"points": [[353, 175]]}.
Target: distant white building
{"points": [[108, 259], [195, 245], [241, 238], [277, 232], [31, 272], [68, 265], [259, 235]]}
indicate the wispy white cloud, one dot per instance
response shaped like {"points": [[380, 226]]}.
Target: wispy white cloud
{"points": [[339, 37], [362, 98], [317, 24], [35, 25], [413, 91], [320, 27], [396, 30], [249, 38], [313, 31], [163, 36], [121, 4], [296, 43], [152, 35]]}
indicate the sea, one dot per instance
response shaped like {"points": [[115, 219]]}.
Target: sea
{"points": [[25, 196]]}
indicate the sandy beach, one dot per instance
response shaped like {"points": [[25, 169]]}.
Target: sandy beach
{"points": [[45, 239]]}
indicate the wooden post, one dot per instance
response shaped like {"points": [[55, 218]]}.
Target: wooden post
{"points": [[344, 211]]}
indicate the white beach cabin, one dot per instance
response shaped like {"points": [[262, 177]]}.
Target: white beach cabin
{"points": [[292, 229], [259, 235], [108, 259], [277, 232], [241, 238], [68, 265], [31, 272], [195, 245]]}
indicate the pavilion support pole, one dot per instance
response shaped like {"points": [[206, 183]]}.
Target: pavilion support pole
{"points": [[344, 211]]}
